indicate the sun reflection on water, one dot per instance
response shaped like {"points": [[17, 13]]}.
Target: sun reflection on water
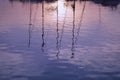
{"points": [[60, 5]]}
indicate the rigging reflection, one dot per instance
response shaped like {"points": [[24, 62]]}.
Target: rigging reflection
{"points": [[73, 32], [57, 30], [43, 34], [63, 26], [30, 25], [80, 22]]}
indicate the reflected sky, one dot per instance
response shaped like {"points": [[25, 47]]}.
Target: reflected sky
{"points": [[65, 39]]}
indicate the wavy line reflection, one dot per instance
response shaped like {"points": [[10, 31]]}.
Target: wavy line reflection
{"points": [[80, 23], [57, 31], [30, 25], [43, 34], [73, 32]]}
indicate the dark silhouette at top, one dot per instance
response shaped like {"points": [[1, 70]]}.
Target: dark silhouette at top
{"points": [[34, 1], [109, 3]]}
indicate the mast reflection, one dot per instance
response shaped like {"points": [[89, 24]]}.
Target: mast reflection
{"points": [[63, 26], [43, 34], [73, 32], [30, 25], [57, 30], [99, 14], [80, 23]]}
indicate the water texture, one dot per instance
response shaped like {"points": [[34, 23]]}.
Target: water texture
{"points": [[59, 40]]}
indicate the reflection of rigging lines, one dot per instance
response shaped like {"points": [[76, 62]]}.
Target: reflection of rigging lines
{"points": [[30, 22], [57, 38], [43, 34], [73, 32], [63, 26], [80, 23]]}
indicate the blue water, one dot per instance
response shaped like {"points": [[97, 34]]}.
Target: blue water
{"points": [[67, 47]]}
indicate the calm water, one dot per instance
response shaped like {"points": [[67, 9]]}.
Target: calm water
{"points": [[39, 42]]}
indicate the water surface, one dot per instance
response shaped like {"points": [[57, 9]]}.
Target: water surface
{"points": [[40, 41]]}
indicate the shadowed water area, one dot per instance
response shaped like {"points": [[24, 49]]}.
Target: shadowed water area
{"points": [[59, 40]]}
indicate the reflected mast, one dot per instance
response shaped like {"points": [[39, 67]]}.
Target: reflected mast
{"points": [[80, 23], [57, 30], [43, 38], [73, 31], [30, 24]]}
